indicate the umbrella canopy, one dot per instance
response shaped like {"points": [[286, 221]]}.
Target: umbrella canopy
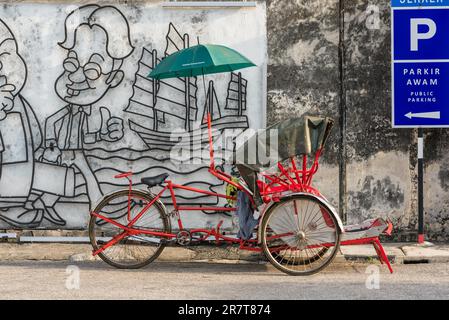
{"points": [[200, 60]]}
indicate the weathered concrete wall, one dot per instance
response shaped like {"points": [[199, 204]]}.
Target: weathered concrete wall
{"points": [[304, 77], [380, 177], [303, 71]]}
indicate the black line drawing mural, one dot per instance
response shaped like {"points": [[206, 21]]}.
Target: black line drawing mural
{"points": [[96, 48], [173, 102], [71, 160], [236, 98], [20, 137], [169, 104]]}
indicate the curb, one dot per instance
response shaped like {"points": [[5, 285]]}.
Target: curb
{"points": [[405, 254], [427, 253]]}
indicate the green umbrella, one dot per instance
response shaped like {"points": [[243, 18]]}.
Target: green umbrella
{"points": [[200, 60]]}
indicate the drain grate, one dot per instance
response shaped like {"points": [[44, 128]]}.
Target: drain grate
{"points": [[416, 261]]}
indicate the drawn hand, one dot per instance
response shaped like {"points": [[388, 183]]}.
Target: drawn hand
{"points": [[52, 154], [6, 97], [112, 128]]}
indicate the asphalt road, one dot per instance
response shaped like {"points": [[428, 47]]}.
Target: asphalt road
{"points": [[96, 280]]}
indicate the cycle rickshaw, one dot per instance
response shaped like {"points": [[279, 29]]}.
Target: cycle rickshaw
{"points": [[298, 230]]}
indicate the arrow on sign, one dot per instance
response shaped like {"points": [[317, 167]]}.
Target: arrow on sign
{"points": [[428, 115]]}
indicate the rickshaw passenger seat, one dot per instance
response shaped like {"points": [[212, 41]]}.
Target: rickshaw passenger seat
{"points": [[154, 181]]}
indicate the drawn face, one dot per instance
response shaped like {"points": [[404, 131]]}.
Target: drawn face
{"points": [[88, 73], [12, 75]]}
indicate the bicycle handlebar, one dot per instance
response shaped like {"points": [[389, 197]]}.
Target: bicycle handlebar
{"points": [[123, 175]]}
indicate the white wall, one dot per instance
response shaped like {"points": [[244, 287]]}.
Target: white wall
{"points": [[31, 193]]}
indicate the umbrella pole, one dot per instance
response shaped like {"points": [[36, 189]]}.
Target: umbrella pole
{"points": [[204, 88], [209, 127]]}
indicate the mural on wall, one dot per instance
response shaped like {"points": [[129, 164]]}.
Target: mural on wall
{"points": [[20, 138], [53, 169], [174, 101]]}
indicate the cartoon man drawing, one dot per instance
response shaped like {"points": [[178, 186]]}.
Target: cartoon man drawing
{"points": [[97, 42], [20, 137]]}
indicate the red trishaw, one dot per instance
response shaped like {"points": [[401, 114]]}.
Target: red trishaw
{"points": [[298, 230]]}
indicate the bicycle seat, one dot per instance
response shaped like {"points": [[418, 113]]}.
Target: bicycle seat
{"points": [[154, 181]]}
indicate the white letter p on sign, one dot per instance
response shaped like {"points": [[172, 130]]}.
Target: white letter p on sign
{"points": [[415, 36]]}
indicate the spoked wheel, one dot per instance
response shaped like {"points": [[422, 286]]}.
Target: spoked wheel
{"points": [[132, 251], [300, 236], [298, 260]]}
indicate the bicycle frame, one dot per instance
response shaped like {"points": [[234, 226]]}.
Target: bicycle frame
{"points": [[171, 187], [289, 179]]}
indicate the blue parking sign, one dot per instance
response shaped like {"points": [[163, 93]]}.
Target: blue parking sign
{"points": [[420, 63]]}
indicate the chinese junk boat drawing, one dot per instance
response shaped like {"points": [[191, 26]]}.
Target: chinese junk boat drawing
{"points": [[172, 103]]}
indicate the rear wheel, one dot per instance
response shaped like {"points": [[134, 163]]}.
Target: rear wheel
{"points": [[133, 251], [300, 235]]}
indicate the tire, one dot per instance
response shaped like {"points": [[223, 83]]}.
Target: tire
{"points": [[300, 235], [299, 261], [132, 252]]}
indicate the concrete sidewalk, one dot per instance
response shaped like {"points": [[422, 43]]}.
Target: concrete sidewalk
{"points": [[400, 252], [397, 253]]}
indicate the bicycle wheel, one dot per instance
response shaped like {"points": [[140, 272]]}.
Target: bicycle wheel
{"points": [[299, 235], [133, 251], [298, 260]]}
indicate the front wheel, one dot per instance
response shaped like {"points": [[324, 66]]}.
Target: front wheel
{"points": [[300, 235], [132, 251]]}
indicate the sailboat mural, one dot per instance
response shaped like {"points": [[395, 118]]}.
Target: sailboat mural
{"points": [[169, 104]]}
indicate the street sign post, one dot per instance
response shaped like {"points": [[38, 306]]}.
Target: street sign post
{"points": [[420, 73]]}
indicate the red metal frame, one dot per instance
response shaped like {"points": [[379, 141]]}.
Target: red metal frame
{"points": [[272, 186], [383, 258]]}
